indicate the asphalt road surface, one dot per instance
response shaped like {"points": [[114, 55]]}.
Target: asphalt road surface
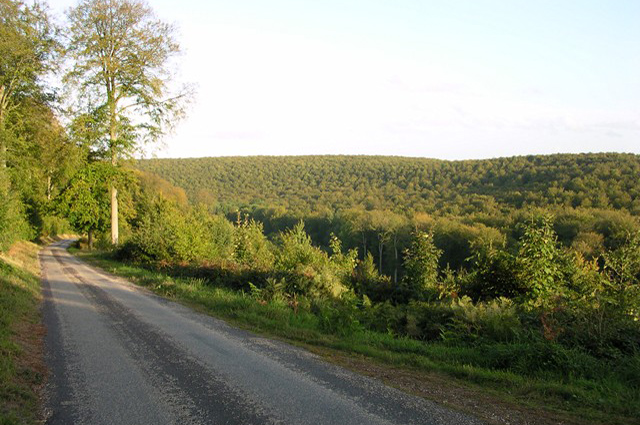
{"points": [[121, 355]]}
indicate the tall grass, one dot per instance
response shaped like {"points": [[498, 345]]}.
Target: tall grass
{"points": [[21, 369]]}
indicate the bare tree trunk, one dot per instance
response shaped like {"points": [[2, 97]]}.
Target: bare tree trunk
{"points": [[48, 188], [364, 246], [114, 215], [3, 139], [380, 249], [395, 263], [113, 135], [90, 238]]}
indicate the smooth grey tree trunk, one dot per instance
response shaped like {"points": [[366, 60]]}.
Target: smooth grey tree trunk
{"points": [[114, 215]]}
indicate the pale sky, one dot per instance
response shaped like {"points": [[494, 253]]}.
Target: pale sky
{"points": [[447, 79]]}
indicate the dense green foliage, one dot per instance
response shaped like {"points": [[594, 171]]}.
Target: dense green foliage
{"points": [[13, 221], [303, 185]]}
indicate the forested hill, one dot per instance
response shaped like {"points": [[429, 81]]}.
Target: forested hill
{"points": [[316, 183]]}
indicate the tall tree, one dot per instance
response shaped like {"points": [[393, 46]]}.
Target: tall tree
{"points": [[27, 52], [122, 56]]}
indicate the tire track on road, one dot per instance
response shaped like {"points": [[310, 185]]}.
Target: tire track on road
{"points": [[191, 392]]}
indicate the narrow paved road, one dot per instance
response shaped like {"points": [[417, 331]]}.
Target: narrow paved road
{"points": [[120, 355]]}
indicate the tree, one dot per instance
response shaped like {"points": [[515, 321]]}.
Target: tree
{"points": [[623, 268], [421, 265], [381, 226], [358, 221], [85, 201], [539, 263], [398, 225], [27, 52], [13, 223], [44, 158], [121, 71]]}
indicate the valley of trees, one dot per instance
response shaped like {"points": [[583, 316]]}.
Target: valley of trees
{"points": [[374, 203], [533, 261], [407, 185]]}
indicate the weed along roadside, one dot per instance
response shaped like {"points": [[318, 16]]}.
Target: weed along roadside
{"points": [[492, 359], [22, 369]]}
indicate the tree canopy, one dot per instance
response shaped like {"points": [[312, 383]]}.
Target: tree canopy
{"points": [[27, 51]]}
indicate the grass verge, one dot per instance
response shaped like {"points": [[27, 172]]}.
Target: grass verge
{"points": [[22, 371], [461, 373]]}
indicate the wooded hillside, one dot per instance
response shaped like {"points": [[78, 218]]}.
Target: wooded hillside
{"points": [[304, 184]]}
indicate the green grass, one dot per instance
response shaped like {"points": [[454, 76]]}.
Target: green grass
{"points": [[603, 397], [21, 370]]}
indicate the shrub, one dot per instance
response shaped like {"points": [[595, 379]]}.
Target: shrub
{"points": [[250, 246], [421, 267], [53, 225], [425, 320], [622, 266], [495, 320], [13, 221], [538, 264], [385, 317], [337, 316], [312, 271], [366, 281], [156, 233], [494, 275]]}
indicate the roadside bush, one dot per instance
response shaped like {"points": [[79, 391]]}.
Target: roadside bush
{"points": [[539, 264], [312, 271], [599, 312], [367, 281], [337, 316], [53, 225], [493, 321], [250, 246], [166, 232], [272, 290], [426, 320], [493, 277], [421, 267], [203, 237], [537, 357], [156, 234], [13, 221], [622, 266], [385, 317]]}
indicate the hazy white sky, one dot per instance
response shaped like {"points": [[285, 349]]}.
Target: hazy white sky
{"points": [[447, 79]]}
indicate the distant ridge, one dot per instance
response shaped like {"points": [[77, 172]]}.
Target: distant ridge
{"points": [[305, 184]]}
